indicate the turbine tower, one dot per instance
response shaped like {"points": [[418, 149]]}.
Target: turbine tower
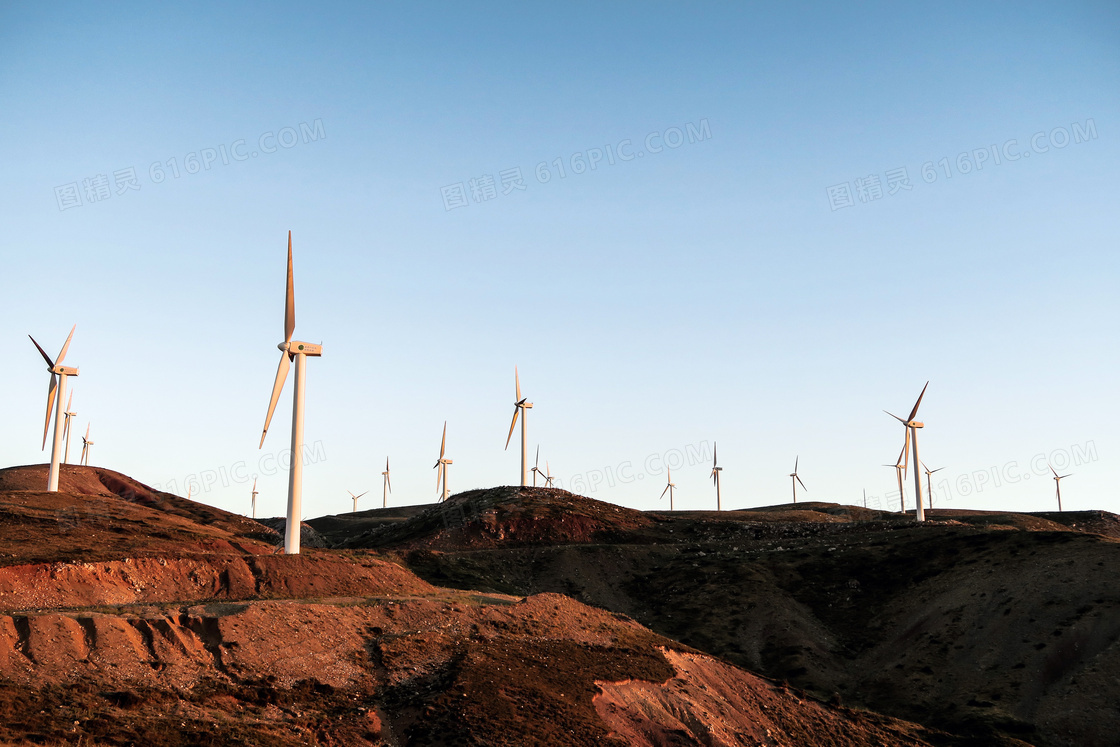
{"points": [[356, 497], [441, 465], [716, 469], [66, 427], [86, 444], [290, 349], [900, 467], [669, 488], [519, 405], [929, 484], [912, 427], [254, 497], [1058, 484], [537, 466], [794, 478], [56, 390], [386, 487]]}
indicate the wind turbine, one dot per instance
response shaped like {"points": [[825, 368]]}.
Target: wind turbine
{"points": [[254, 497], [441, 465], [547, 475], [290, 349], [715, 475], [520, 404], [66, 427], [86, 444], [537, 466], [912, 427], [356, 497], [929, 486], [669, 489], [55, 390], [900, 467], [1058, 484], [794, 478], [386, 487]]}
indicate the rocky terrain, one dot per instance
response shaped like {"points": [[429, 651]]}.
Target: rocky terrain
{"points": [[522, 616]]}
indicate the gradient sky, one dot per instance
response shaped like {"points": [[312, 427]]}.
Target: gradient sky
{"points": [[712, 292]]}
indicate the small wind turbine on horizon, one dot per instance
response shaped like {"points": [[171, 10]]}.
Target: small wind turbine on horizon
{"points": [[386, 487], [254, 497], [290, 349], [442, 464], [716, 469], [356, 497], [795, 478], [520, 404], [56, 390], [547, 475], [1058, 484], [912, 427], [86, 444], [900, 467], [66, 427], [537, 466], [669, 488], [929, 483]]}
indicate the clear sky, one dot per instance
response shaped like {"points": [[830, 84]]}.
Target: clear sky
{"points": [[797, 215]]}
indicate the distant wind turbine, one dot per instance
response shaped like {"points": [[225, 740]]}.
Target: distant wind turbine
{"points": [[547, 475], [536, 466], [290, 349], [441, 464], [254, 497], [912, 427], [386, 487], [716, 469], [669, 488], [900, 467], [56, 390], [929, 485], [66, 427], [795, 478], [1058, 484], [520, 404], [356, 497], [86, 444]]}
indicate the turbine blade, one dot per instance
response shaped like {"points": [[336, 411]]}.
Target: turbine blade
{"points": [[289, 298], [517, 382], [443, 443], [663, 492], [1052, 469], [896, 417], [715, 454], [512, 425], [66, 346], [254, 484], [439, 474], [537, 463], [802, 484], [50, 406], [47, 358], [359, 495], [914, 412], [281, 375], [796, 460], [388, 482]]}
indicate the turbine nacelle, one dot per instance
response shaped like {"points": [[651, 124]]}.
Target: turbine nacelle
{"points": [[301, 348], [63, 371]]}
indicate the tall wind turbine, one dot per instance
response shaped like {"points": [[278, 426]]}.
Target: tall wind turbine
{"points": [[537, 466], [441, 465], [386, 487], [290, 349], [520, 404], [1058, 484], [66, 427], [794, 478], [669, 488], [356, 497], [912, 427], [86, 444], [716, 469], [900, 467], [929, 484], [254, 497], [56, 390]]}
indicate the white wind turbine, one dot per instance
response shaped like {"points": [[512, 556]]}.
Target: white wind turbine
{"points": [[899, 467], [1058, 483], [912, 427], [929, 483], [716, 469], [66, 427], [56, 390], [547, 475], [386, 486], [537, 467], [254, 497], [669, 488], [290, 349], [356, 497], [441, 464], [86, 444], [520, 404], [795, 478]]}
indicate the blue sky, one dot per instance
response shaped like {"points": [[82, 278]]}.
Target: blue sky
{"points": [[716, 291]]}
